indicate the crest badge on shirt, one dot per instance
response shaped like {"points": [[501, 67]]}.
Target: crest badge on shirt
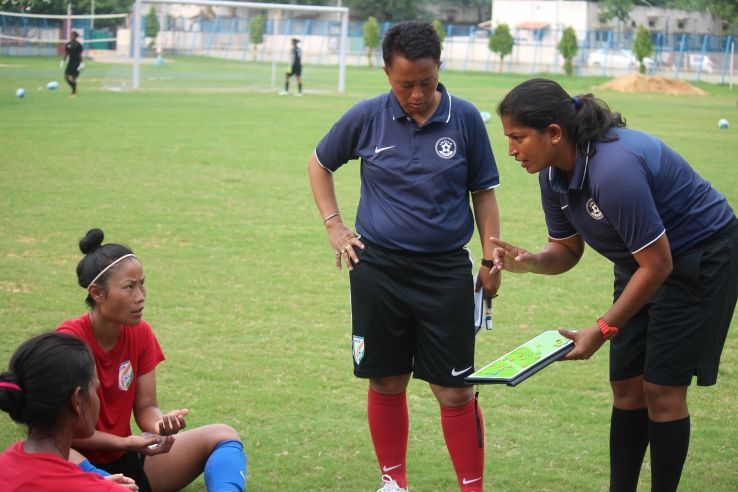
{"points": [[358, 349], [125, 375], [594, 210], [445, 147]]}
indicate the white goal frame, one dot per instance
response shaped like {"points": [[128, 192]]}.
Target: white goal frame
{"points": [[343, 42]]}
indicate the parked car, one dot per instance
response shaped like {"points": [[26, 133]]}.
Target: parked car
{"points": [[617, 59], [696, 60]]}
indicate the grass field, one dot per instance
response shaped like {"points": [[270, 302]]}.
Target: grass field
{"points": [[209, 188]]}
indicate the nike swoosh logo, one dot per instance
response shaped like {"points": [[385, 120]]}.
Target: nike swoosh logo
{"points": [[454, 372], [467, 482], [377, 150], [390, 468]]}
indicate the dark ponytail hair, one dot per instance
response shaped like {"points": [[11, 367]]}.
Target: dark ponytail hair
{"points": [[97, 258], [538, 103], [43, 373]]}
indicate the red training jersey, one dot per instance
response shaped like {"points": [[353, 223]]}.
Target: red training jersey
{"points": [[30, 472], [136, 353]]}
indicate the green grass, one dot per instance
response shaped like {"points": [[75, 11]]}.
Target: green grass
{"points": [[209, 188]]}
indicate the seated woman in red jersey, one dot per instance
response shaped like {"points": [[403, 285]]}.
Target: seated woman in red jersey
{"points": [[126, 354], [51, 387]]}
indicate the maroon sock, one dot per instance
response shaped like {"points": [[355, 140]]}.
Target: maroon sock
{"points": [[460, 427], [389, 425]]}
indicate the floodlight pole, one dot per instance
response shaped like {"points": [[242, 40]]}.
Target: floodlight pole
{"points": [[136, 45]]}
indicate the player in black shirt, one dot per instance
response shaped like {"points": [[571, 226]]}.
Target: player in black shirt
{"points": [[73, 57], [295, 69]]}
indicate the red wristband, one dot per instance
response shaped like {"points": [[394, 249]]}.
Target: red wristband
{"points": [[607, 331]]}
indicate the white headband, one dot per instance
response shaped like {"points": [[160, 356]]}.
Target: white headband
{"points": [[108, 268]]}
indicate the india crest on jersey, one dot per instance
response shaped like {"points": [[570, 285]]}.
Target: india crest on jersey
{"points": [[125, 375], [358, 349]]}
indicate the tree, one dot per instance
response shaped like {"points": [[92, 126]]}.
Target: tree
{"points": [[615, 9], [256, 32], [152, 24], [501, 42], [438, 26], [642, 47], [568, 48], [371, 38], [725, 10], [388, 10]]}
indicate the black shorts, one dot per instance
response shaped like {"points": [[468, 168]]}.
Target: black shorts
{"points": [[413, 313], [680, 333], [72, 70], [131, 465], [295, 70]]}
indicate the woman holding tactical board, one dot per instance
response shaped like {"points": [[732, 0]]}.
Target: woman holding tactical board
{"points": [[673, 240]]}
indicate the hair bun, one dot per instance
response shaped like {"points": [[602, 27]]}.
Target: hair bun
{"points": [[92, 240]]}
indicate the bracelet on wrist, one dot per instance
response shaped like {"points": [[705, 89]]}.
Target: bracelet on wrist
{"points": [[329, 217], [487, 263], [608, 332]]}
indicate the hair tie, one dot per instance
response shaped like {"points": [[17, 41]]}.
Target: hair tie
{"points": [[108, 268], [577, 102], [12, 386]]}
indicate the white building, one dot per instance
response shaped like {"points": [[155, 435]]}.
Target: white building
{"points": [[537, 26]]}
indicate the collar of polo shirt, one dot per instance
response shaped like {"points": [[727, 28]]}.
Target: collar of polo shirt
{"points": [[442, 113]]}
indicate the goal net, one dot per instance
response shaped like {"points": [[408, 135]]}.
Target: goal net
{"points": [[28, 34], [236, 45]]}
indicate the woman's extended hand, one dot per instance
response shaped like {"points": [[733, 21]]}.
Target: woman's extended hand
{"points": [[511, 258], [172, 422]]}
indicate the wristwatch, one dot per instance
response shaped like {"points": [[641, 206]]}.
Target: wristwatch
{"points": [[608, 332], [487, 263]]}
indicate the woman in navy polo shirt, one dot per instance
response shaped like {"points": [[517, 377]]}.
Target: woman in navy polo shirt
{"points": [[425, 155], [673, 240]]}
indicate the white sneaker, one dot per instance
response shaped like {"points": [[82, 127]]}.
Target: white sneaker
{"points": [[390, 485], [298, 94], [283, 93]]}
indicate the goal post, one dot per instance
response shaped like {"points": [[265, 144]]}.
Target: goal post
{"points": [[275, 12]]}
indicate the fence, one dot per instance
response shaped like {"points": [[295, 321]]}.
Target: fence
{"points": [[677, 55]]}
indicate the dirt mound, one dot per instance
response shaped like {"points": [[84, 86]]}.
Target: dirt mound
{"points": [[636, 82]]}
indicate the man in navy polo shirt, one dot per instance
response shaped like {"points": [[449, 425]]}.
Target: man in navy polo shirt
{"points": [[423, 152], [674, 242]]}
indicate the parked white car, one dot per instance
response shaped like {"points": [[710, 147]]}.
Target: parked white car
{"points": [[707, 64], [617, 59]]}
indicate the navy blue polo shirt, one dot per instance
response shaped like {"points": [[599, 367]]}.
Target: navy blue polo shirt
{"points": [[415, 180], [632, 191]]}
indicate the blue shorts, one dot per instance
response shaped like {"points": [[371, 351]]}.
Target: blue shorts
{"points": [[681, 331], [414, 313]]}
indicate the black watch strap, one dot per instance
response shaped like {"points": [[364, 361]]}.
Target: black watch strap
{"points": [[487, 263]]}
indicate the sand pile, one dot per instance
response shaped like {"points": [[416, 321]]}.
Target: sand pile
{"points": [[636, 82]]}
